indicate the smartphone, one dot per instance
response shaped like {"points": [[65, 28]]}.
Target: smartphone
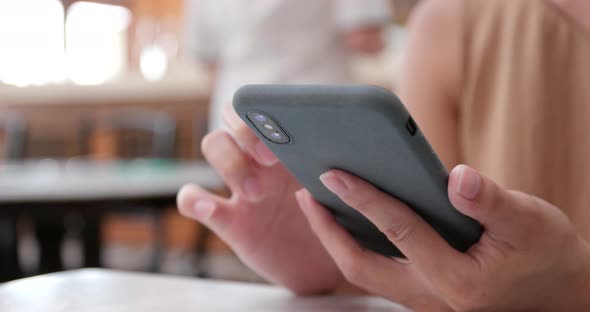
{"points": [[366, 131]]}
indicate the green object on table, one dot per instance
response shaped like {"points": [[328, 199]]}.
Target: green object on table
{"points": [[146, 166]]}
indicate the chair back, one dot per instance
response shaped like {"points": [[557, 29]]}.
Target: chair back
{"points": [[14, 128], [138, 133]]}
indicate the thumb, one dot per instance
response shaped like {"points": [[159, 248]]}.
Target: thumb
{"points": [[502, 213], [209, 209]]}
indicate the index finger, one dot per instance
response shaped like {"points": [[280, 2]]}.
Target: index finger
{"points": [[423, 246], [246, 138], [366, 269]]}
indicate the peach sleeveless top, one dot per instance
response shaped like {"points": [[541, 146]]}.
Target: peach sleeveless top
{"points": [[525, 108]]}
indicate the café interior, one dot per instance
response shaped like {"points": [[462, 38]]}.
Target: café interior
{"points": [[102, 112]]}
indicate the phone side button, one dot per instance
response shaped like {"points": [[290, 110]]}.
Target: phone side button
{"points": [[411, 126]]}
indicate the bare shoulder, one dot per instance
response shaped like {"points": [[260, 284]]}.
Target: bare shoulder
{"points": [[437, 15], [435, 49], [430, 83]]}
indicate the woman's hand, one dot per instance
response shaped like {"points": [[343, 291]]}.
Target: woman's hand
{"points": [[529, 257], [261, 221]]}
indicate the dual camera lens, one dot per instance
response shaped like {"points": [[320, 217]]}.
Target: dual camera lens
{"points": [[260, 117], [268, 127]]}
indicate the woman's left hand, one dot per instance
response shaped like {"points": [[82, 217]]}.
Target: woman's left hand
{"points": [[530, 256]]}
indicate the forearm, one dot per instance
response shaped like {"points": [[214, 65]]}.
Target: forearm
{"points": [[346, 288], [367, 40], [573, 294]]}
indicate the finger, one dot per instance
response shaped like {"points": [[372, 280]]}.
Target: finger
{"points": [[363, 268], [504, 214], [246, 138], [419, 242], [233, 165], [209, 209]]}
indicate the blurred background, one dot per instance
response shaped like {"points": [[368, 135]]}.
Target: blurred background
{"points": [[103, 104]]}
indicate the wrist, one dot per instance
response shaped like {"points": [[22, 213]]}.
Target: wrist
{"points": [[574, 292], [308, 287], [346, 288], [582, 286]]}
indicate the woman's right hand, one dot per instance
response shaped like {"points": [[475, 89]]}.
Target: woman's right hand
{"points": [[261, 221]]}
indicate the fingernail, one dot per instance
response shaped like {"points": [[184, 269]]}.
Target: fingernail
{"points": [[401, 260], [303, 199], [265, 155], [469, 183], [300, 200], [252, 188], [334, 183], [203, 209]]}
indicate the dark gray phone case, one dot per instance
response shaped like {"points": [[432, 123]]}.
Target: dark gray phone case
{"points": [[366, 131]]}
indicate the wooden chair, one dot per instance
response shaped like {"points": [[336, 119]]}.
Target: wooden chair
{"points": [[50, 227], [14, 129], [130, 134]]}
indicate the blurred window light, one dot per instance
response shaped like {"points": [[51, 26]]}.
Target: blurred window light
{"points": [[31, 42], [96, 42], [34, 50], [153, 63]]}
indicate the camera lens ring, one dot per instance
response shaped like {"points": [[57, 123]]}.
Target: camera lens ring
{"points": [[268, 127], [260, 118]]}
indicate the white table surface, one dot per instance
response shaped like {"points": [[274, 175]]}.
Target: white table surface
{"points": [[127, 90], [102, 290], [46, 181]]}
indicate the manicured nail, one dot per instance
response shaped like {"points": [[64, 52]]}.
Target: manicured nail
{"points": [[469, 183], [299, 196], [252, 188], [334, 183], [203, 209], [401, 260], [265, 155]]}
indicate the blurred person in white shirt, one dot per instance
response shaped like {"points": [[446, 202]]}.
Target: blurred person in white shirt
{"points": [[281, 41]]}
